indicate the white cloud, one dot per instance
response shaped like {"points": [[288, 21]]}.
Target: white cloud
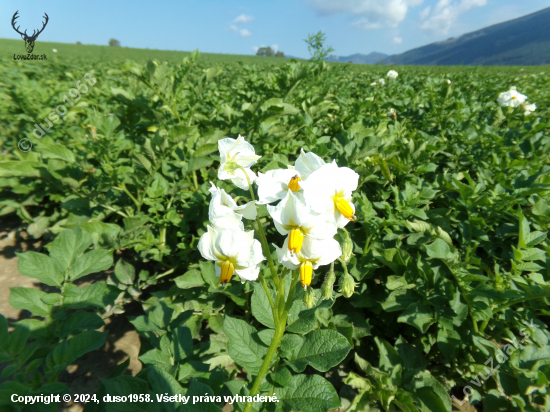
{"points": [[425, 13], [243, 19], [244, 33], [374, 14], [275, 48], [255, 48], [397, 40], [446, 13], [240, 32]]}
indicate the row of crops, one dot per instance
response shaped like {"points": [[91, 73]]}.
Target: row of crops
{"points": [[440, 293]]}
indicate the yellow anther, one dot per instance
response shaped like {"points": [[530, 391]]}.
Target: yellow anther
{"points": [[345, 208], [514, 97], [306, 272], [295, 240], [293, 184], [227, 272]]}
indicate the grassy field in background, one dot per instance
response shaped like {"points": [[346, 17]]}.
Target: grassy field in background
{"points": [[68, 52], [10, 47]]}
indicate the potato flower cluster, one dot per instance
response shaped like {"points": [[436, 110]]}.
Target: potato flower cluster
{"points": [[513, 98], [308, 202]]}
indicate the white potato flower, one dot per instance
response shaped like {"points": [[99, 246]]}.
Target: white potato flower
{"points": [[224, 213], [293, 217], [307, 163], [235, 153], [233, 251], [392, 74], [529, 108], [382, 81], [275, 184], [329, 190], [314, 253], [511, 98], [374, 84], [448, 81], [54, 50], [391, 113]]}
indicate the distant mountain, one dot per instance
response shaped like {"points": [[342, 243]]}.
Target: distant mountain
{"points": [[371, 58], [522, 41]]}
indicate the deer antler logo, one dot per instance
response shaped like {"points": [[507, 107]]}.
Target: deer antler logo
{"points": [[29, 40]]}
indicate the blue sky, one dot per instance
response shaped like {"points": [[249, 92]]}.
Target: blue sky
{"points": [[240, 26]]}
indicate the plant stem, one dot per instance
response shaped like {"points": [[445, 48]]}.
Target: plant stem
{"points": [[279, 332], [270, 299], [262, 236]]}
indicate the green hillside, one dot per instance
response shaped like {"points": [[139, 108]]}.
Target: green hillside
{"points": [[10, 47], [522, 41]]}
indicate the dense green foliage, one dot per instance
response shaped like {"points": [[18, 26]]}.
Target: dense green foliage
{"points": [[450, 251]]}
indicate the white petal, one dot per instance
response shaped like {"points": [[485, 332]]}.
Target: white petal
{"points": [[250, 273], [246, 159], [307, 163], [228, 242], [249, 210], [285, 258], [321, 252], [239, 178], [206, 244], [225, 145], [273, 186]]}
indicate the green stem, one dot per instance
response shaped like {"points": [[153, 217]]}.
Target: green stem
{"points": [[270, 299], [262, 236], [279, 332], [123, 188], [515, 302], [195, 181]]}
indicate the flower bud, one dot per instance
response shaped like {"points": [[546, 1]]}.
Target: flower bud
{"points": [[347, 247], [309, 298], [328, 284], [346, 285]]}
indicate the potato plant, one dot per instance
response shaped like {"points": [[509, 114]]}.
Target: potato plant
{"points": [[440, 294]]}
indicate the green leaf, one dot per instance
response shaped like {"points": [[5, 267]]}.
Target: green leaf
{"points": [[301, 319], [159, 187], [190, 279], [320, 349], [78, 321], [206, 149], [419, 316], [440, 249], [29, 299], [18, 339], [97, 295], [39, 266], [432, 394], [83, 343], [260, 306], [56, 151], [24, 168], [125, 272], [311, 393], [68, 245], [243, 349], [155, 356], [91, 262], [181, 344], [164, 383], [3, 332]]}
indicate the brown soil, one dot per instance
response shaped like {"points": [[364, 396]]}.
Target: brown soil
{"points": [[84, 376]]}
